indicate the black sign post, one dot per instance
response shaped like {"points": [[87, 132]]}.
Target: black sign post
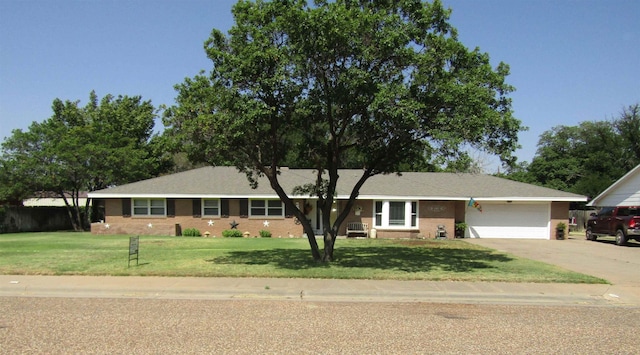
{"points": [[133, 249]]}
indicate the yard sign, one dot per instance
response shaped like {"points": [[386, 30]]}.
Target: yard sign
{"points": [[133, 249]]}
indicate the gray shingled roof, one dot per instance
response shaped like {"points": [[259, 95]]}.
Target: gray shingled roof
{"points": [[228, 182]]}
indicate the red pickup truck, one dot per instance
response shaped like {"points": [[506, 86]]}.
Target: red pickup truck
{"points": [[621, 222]]}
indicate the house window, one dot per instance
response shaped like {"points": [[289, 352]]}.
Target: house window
{"points": [[149, 207], [266, 208], [396, 214], [211, 207], [414, 214], [378, 213]]}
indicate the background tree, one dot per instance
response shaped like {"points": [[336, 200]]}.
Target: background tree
{"points": [[628, 127], [588, 158], [13, 188], [81, 149], [381, 86]]}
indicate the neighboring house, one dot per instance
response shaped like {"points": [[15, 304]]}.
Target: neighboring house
{"points": [[411, 205], [624, 192], [52, 200]]}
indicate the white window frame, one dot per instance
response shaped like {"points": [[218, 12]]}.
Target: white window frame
{"points": [[266, 208], [204, 207], [148, 206], [383, 214]]}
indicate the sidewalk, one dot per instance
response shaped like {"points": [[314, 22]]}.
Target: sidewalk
{"points": [[316, 290]]}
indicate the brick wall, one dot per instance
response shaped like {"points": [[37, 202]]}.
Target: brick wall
{"points": [[559, 213], [116, 223], [435, 213], [430, 215]]}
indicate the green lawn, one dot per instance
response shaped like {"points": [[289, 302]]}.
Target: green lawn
{"points": [[86, 254]]}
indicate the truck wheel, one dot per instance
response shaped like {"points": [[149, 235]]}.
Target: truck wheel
{"points": [[590, 235], [621, 239]]}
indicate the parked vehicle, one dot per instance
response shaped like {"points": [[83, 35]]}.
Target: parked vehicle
{"points": [[621, 222]]}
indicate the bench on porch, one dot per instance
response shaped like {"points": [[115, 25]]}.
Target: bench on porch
{"points": [[357, 228]]}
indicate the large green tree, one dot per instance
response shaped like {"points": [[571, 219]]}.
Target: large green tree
{"points": [[378, 85], [80, 149], [587, 158], [628, 127]]}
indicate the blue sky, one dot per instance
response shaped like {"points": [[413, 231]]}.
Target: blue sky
{"points": [[571, 61]]}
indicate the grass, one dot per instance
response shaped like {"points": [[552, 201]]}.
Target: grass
{"points": [[454, 260]]}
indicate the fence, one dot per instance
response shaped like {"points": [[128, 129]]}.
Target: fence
{"points": [[33, 219], [578, 219]]}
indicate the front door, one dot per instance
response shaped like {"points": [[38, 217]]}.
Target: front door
{"points": [[315, 216]]}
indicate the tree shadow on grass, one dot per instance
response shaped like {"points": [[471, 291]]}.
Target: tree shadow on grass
{"points": [[382, 258], [290, 259]]}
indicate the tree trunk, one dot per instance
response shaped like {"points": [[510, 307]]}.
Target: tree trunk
{"points": [[306, 225], [329, 242], [74, 221], [70, 212], [328, 232], [311, 236], [86, 220], [69, 209], [78, 216]]}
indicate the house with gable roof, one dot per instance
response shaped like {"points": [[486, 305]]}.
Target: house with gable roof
{"points": [[624, 192], [409, 205]]}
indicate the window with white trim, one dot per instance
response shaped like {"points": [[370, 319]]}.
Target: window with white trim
{"points": [[266, 208], [149, 207], [211, 207], [395, 214]]}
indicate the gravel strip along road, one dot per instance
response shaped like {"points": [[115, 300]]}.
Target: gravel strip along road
{"points": [[33, 325]]}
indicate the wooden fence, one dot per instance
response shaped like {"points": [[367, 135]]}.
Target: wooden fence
{"points": [[578, 219], [14, 219]]}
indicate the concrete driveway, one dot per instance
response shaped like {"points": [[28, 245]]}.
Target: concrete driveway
{"points": [[602, 258]]}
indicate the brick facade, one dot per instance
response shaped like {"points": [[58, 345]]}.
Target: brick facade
{"points": [[430, 215], [559, 213], [116, 223]]}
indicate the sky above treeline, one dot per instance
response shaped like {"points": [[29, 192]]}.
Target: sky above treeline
{"points": [[571, 61]]}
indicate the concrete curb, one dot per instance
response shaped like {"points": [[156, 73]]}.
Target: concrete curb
{"points": [[316, 290]]}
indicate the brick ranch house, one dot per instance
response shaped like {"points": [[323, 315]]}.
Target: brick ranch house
{"points": [[410, 205]]}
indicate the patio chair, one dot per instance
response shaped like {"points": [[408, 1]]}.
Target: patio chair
{"points": [[441, 232]]}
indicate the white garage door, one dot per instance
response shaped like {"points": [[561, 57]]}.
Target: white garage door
{"points": [[509, 220]]}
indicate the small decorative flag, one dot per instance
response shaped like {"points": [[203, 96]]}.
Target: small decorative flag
{"points": [[473, 203]]}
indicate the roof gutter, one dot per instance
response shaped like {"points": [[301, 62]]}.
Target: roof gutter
{"points": [[345, 197]]}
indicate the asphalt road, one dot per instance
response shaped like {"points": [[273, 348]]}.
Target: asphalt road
{"points": [[168, 326]]}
